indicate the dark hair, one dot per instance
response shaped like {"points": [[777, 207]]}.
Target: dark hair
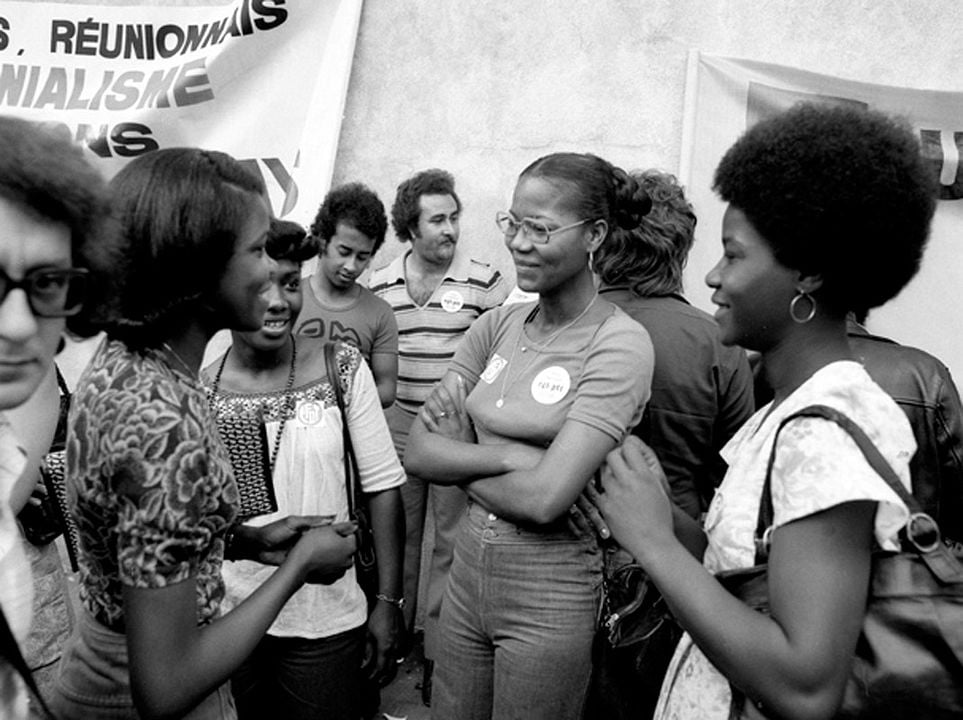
{"points": [[43, 171], [356, 205], [838, 191], [178, 213], [288, 241], [651, 257], [596, 190], [406, 208]]}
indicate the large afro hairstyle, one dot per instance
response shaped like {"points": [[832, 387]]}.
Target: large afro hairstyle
{"points": [[842, 192]]}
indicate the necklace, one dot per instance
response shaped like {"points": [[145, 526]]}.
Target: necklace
{"points": [[548, 341], [191, 373], [287, 397]]}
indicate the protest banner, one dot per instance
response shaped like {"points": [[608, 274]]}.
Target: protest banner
{"points": [[263, 80]]}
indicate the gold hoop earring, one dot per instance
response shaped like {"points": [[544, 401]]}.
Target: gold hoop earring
{"points": [[800, 295]]}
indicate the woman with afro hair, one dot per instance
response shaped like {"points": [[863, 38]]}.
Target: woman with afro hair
{"points": [[829, 210]]}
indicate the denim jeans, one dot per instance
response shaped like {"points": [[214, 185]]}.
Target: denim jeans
{"points": [[517, 622], [300, 678], [94, 680]]}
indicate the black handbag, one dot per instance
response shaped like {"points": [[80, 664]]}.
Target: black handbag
{"points": [[908, 662], [43, 522], [633, 646], [365, 560]]}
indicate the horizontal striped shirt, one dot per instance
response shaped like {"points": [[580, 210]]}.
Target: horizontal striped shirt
{"points": [[429, 334]]}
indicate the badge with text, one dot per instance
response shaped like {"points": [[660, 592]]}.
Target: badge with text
{"points": [[452, 301], [495, 366], [551, 385], [310, 412]]}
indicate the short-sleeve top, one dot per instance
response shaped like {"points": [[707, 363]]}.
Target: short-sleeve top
{"points": [[309, 480], [429, 334], [367, 323], [818, 466], [596, 373], [149, 482]]}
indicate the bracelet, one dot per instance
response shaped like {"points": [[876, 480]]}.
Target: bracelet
{"points": [[397, 602]]}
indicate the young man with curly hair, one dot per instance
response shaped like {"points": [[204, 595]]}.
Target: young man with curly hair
{"points": [[351, 225]]}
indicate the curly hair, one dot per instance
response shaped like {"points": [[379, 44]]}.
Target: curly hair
{"points": [[836, 191], [597, 190], [288, 241], [651, 257], [356, 205], [42, 170], [406, 208], [178, 213]]}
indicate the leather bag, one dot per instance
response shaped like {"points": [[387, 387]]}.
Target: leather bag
{"points": [[633, 645], [908, 662]]}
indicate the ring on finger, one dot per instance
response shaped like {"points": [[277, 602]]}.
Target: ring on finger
{"points": [[443, 413]]}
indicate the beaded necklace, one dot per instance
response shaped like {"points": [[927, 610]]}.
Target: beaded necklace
{"points": [[287, 392]]}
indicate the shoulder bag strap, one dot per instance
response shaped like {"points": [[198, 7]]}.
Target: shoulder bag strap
{"points": [[10, 650], [351, 477], [922, 531]]}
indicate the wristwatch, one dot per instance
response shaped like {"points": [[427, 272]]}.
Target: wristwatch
{"points": [[397, 602]]}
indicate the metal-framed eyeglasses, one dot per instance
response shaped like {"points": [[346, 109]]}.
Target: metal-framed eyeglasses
{"points": [[535, 230], [51, 293]]}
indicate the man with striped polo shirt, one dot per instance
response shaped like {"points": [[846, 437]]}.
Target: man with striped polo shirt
{"points": [[436, 294]]}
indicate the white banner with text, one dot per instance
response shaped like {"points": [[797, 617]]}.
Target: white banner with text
{"points": [[263, 80]]}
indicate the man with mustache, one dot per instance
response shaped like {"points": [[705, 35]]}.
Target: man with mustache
{"points": [[436, 294]]}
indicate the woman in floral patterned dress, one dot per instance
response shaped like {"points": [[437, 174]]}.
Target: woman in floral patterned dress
{"points": [[151, 484], [829, 210]]}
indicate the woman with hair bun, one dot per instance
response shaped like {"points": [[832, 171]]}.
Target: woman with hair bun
{"points": [[534, 398], [828, 211]]}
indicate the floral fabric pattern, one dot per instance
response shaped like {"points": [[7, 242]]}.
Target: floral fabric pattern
{"points": [[149, 482], [818, 466]]}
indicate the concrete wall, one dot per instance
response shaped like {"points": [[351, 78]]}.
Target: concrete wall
{"points": [[483, 88]]}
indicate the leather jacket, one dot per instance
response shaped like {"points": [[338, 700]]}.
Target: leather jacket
{"points": [[922, 386]]}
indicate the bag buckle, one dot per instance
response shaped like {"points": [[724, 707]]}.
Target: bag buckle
{"points": [[923, 532]]}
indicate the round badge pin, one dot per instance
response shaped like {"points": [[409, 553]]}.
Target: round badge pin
{"points": [[452, 301], [551, 385]]}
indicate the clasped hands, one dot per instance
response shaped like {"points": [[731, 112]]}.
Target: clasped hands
{"points": [[325, 548]]}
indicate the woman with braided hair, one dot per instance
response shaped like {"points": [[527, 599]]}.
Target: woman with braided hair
{"points": [[534, 398]]}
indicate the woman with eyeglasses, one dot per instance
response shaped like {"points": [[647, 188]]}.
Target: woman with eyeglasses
{"points": [[149, 481], [51, 204], [534, 398]]}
